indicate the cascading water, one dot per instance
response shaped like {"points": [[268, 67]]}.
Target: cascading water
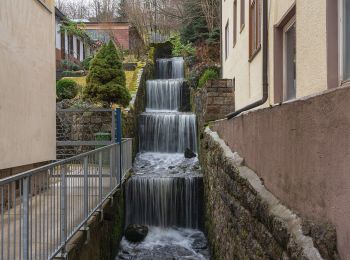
{"points": [[164, 95], [165, 192], [167, 132], [170, 68]]}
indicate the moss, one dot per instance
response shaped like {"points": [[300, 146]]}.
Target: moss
{"points": [[118, 228]]}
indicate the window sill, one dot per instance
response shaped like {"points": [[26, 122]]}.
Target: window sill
{"points": [[242, 28], [234, 45], [43, 4], [255, 52]]}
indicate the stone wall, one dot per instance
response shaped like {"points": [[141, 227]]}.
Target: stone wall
{"points": [[80, 126], [244, 220], [301, 150], [137, 106], [105, 233], [214, 101]]}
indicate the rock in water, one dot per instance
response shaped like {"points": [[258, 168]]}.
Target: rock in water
{"points": [[189, 153], [136, 233]]}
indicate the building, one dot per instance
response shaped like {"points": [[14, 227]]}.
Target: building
{"points": [[27, 80], [302, 48], [68, 46], [289, 62], [121, 33]]}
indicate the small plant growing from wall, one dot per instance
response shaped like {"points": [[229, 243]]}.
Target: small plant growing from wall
{"points": [[66, 89], [209, 74], [106, 80]]}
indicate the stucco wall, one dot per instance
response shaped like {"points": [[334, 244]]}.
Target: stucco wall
{"points": [[27, 83], [301, 151], [311, 50]]}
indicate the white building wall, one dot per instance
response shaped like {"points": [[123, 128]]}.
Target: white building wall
{"points": [[75, 47], [58, 35]]}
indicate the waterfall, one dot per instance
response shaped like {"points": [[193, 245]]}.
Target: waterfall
{"points": [[164, 95], [164, 202], [167, 132], [166, 189], [170, 68]]}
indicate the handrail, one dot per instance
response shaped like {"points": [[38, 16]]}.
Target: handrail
{"points": [[32, 172], [42, 209]]}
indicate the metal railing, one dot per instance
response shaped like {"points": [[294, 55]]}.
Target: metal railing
{"points": [[40, 210]]}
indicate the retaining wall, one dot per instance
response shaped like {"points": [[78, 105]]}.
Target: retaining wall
{"points": [[301, 149], [245, 221], [214, 101]]}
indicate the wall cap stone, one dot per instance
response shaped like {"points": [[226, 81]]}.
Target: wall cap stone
{"points": [[278, 211]]}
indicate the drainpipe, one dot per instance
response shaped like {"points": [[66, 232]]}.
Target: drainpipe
{"points": [[265, 83]]}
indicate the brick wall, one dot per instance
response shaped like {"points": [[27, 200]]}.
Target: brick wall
{"points": [[214, 101]]}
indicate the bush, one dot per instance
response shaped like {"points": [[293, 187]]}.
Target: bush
{"points": [[209, 74], [198, 70], [86, 63], [66, 89], [181, 49], [106, 80], [68, 73], [69, 65]]}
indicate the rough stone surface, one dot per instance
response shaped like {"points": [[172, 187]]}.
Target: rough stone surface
{"points": [[136, 233], [189, 154], [243, 219], [105, 233]]}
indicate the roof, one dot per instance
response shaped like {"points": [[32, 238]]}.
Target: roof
{"points": [[59, 14]]}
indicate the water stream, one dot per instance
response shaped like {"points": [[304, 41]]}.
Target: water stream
{"points": [[165, 192]]}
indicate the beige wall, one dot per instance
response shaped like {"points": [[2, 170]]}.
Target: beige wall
{"points": [[311, 50], [27, 83]]}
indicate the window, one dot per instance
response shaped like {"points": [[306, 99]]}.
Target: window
{"points": [[227, 40], [254, 28], [70, 45], [78, 49], [234, 23], [345, 40], [289, 60], [242, 14]]}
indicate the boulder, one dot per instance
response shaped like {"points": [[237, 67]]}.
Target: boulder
{"points": [[189, 153], [136, 233]]}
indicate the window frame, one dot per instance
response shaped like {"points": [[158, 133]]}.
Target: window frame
{"points": [[235, 23], [254, 12], [242, 15], [286, 29], [227, 39], [341, 29]]}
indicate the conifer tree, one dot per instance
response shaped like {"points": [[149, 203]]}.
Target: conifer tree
{"points": [[106, 79]]}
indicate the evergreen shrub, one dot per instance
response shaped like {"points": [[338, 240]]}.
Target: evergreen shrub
{"points": [[66, 89], [106, 80]]}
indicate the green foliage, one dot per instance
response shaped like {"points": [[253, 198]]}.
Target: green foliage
{"points": [[69, 65], [209, 74], [194, 28], [106, 80], [66, 89], [86, 63], [214, 37], [69, 73], [73, 28], [181, 49]]}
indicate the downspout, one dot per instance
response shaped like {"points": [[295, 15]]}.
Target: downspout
{"points": [[265, 83]]}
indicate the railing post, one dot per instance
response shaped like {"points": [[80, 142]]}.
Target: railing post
{"points": [[86, 187], [118, 114], [25, 219], [63, 202], [100, 190]]}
